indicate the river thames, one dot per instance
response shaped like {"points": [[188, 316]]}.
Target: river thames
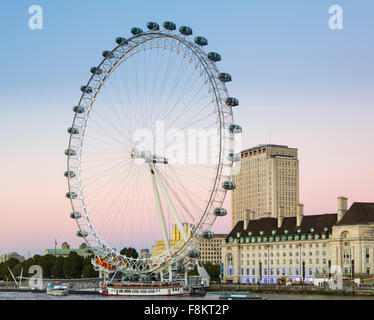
{"points": [[43, 296]]}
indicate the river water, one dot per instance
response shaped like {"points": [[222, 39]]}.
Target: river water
{"points": [[43, 296]]}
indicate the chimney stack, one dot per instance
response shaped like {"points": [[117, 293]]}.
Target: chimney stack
{"points": [[299, 214], [342, 207], [252, 215], [246, 218], [280, 216]]}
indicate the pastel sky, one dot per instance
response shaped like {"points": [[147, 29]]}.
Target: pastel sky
{"points": [[299, 83]]}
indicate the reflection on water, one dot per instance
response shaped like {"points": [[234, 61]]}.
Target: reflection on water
{"points": [[43, 296]]}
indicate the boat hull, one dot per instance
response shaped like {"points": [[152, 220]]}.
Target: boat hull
{"points": [[147, 295], [57, 293], [57, 290], [144, 291]]}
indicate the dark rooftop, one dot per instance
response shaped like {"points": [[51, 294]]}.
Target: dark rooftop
{"points": [[359, 213], [267, 225]]}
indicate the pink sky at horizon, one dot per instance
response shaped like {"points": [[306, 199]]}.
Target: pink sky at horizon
{"points": [[36, 212]]}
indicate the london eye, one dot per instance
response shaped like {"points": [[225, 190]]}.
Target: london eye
{"points": [[151, 149]]}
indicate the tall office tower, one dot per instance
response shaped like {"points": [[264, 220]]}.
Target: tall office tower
{"points": [[267, 184]]}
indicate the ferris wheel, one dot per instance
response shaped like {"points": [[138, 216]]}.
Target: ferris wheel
{"points": [[151, 149]]}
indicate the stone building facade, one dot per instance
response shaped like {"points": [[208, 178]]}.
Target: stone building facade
{"points": [[301, 247], [210, 249]]}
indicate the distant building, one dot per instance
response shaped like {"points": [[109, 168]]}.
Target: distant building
{"points": [[301, 247], [159, 246], [65, 250], [65, 245], [210, 249], [83, 246], [144, 253], [10, 255]]}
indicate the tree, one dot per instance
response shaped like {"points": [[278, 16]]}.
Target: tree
{"points": [[36, 258], [16, 270], [213, 270], [57, 270], [26, 266], [4, 271], [193, 272], [72, 266], [47, 262], [129, 252], [88, 270]]}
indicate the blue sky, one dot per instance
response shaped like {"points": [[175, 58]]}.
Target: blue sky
{"points": [[310, 86]]}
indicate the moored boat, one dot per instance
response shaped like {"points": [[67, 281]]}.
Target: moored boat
{"points": [[57, 290], [240, 296], [144, 289]]}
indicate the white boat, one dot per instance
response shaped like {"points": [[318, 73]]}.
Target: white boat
{"points": [[142, 289], [240, 296], [57, 290]]}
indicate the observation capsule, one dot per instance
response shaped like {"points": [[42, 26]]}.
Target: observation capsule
{"points": [[187, 31], [194, 253], [75, 215], [108, 54], [201, 41], [86, 89], [214, 56], [229, 185], [224, 77], [121, 41], [234, 157], [232, 102], [235, 128], [96, 70], [78, 109], [135, 31], [208, 234], [69, 174], [220, 212], [70, 152], [82, 233], [153, 26], [71, 195], [169, 25], [73, 130]]}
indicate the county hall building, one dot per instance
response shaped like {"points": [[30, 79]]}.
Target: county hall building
{"points": [[301, 247], [271, 238]]}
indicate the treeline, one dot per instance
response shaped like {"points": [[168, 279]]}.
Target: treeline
{"points": [[214, 270], [73, 266]]}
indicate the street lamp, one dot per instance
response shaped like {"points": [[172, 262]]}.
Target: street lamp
{"points": [[268, 275], [301, 268], [260, 273]]}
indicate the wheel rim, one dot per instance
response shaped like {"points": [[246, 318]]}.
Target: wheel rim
{"points": [[94, 95]]}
